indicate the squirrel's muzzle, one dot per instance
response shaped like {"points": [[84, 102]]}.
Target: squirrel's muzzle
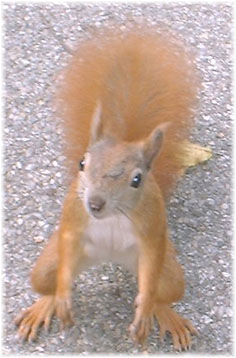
{"points": [[96, 204]]}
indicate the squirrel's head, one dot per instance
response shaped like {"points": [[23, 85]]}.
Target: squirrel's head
{"points": [[112, 173]]}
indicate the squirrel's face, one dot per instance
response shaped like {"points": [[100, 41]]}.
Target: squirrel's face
{"points": [[111, 178], [112, 173]]}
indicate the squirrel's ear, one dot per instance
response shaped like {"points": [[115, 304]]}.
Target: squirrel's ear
{"points": [[153, 143], [96, 129]]}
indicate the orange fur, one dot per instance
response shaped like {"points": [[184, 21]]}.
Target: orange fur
{"points": [[142, 80]]}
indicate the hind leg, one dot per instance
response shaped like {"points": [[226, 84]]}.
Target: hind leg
{"points": [[43, 279], [29, 320]]}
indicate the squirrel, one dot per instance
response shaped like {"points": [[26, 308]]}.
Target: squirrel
{"points": [[128, 100]]}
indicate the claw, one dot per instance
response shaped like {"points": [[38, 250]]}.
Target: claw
{"points": [[20, 317]]}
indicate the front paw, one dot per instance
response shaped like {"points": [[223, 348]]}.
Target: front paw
{"points": [[142, 324], [64, 311]]}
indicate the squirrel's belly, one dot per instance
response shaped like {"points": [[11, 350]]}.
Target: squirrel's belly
{"points": [[111, 239]]}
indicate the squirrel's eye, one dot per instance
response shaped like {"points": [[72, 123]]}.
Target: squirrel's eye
{"points": [[136, 180], [81, 164]]}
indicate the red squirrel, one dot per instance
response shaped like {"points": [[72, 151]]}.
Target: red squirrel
{"points": [[127, 101]]}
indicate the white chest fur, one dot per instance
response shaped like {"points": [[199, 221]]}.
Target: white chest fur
{"points": [[111, 239]]}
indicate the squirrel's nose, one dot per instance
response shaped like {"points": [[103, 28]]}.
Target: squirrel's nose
{"points": [[96, 203]]}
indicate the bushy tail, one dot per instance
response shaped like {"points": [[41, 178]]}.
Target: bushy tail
{"points": [[142, 80]]}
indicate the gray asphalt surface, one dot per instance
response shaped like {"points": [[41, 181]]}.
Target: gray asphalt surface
{"points": [[35, 179]]}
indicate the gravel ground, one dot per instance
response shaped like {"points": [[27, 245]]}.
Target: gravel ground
{"points": [[35, 179]]}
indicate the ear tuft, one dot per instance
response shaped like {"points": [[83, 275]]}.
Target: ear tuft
{"points": [[153, 143]]}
